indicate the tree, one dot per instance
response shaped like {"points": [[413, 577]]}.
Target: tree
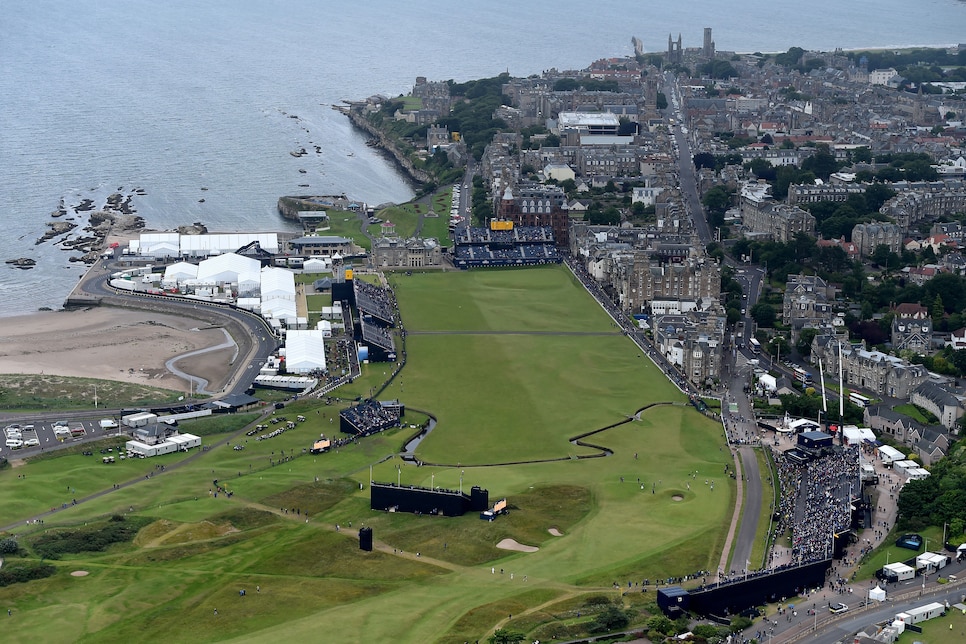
{"points": [[9, 546], [504, 636], [661, 101], [610, 619], [764, 314], [704, 160], [804, 344]]}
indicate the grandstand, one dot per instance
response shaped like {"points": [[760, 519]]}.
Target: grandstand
{"points": [[370, 417], [379, 339], [374, 301], [503, 244]]}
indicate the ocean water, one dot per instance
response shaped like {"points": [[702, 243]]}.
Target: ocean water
{"points": [[205, 100]]}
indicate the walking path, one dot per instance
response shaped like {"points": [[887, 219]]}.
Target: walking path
{"points": [[198, 382]]}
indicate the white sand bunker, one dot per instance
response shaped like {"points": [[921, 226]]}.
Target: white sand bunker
{"points": [[555, 532], [677, 497], [511, 544], [79, 573]]}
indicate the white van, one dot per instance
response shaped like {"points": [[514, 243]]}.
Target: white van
{"points": [[14, 443]]}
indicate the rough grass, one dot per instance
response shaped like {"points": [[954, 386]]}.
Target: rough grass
{"points": [[217, 424], [38, 392], [479, 620]]}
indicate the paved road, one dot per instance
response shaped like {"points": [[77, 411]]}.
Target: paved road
{"points": [[743, 424]]}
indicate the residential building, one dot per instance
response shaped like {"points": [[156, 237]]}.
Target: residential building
{"points": [[692, 341], [878, 372], [911, 328], [807, 302], [940, 402], [765, 218], [867, 237]]}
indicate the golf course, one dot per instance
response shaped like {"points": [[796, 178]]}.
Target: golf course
{"points": [[513, 365]]}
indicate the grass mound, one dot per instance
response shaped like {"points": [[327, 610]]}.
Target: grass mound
{"points": [[474, 623], [96, 537], [313, 498]]}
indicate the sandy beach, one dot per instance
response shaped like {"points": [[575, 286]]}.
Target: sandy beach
{"points": [[113, 344]]}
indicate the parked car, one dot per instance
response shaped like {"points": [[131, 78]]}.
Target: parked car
{"points": [[837, 608]]}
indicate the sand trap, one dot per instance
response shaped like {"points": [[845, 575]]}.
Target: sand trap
{"points": [[511, 544], [555, 532], [677, 497], [79, 573]]}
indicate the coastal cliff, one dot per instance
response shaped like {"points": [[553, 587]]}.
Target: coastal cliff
{"points": [[383, 142]]}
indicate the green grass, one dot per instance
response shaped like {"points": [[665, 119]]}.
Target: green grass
{"points": [[533, 362], [217, 424], [39, 392], [916, 413], [316, 302], [406, 218], [348, 224]]}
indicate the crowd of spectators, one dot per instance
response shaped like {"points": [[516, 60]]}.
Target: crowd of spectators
{"points": [[375, 301], [369, 417], [521, 246], [378, 335], [523, 255], [517, 235], [815, 501]]}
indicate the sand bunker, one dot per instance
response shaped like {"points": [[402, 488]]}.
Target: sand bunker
{"points": [[677, 497], [511, 544], [555, 532], [79, 573]]}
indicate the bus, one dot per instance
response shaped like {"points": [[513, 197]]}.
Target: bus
{"points": [[859, 399], [755, 346], [802, 376]]}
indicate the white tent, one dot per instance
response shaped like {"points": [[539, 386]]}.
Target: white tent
{"points": [[317, 265], [877, 594], [249, 284], [280, 309], [278, 283], [178, 273], [304, 351], [226, 268]]}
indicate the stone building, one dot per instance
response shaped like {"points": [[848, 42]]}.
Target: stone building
{"points": [[940, 402], [878, 372], [867, 237], [807, 302], [535, 204], [911, 328], [763, 217], [415, 252], [692, 341]]}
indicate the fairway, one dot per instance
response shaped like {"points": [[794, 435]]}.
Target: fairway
{"points": [[513, 364]]}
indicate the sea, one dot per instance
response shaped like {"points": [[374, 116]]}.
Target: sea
{"points": [[192, 108]]}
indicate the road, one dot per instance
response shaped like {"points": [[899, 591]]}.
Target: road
{"points": [[741, 427]]}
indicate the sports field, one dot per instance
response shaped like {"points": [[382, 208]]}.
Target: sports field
{"points": [[513, 364]]}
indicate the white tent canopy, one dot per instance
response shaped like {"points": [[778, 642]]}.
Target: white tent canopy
{"points": [[226, 268], [877, 594], [304, 351]]}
